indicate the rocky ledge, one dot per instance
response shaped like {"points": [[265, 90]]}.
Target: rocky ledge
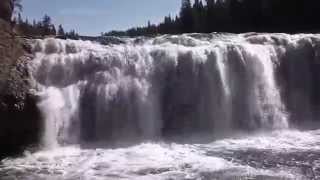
{"points": [[19, 115]]}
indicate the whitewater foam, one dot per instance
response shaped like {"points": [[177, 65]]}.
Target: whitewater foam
{"points": [[96, 98], [169, 85], [165, 161]]}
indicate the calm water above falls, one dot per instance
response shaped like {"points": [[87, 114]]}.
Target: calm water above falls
{"points": [[176, 107]]}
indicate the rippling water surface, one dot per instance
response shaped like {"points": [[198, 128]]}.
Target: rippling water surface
{"points": [[277, 155]]}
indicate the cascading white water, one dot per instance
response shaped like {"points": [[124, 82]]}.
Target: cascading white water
{"points": [[185, 87], [170, 85]]}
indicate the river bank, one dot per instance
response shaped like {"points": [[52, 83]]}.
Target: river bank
{"points": [[19, 115]]}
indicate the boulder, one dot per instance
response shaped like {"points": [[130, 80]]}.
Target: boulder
{"points": [[6, 9]]}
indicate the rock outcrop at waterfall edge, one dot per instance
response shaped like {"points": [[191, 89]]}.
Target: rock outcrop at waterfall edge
{"points": [[6, 9], [19, 115]]}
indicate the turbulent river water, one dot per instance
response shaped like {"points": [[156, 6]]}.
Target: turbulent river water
{"points": [[192, 106]]}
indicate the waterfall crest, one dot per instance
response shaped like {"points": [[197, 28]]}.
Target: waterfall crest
{"points": [[159, 87]]}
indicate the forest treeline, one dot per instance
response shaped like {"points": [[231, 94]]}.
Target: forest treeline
{"points": [[44, 27], [236, 16]]}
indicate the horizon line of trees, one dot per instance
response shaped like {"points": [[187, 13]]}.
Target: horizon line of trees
{"points": [[44, 27], [235, 16]]}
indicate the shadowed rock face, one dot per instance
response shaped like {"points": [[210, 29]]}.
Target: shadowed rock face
{"points": [[6, 9], [19, 115]]}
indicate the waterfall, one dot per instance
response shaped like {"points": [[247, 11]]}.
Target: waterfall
{"points": [[157, 87]]}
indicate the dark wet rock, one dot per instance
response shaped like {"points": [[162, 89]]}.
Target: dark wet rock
{"points": [[153, 171], [19, 115], [110, 40], [6, 9]]}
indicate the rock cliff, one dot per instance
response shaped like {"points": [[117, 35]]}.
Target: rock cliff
{"points": [[6, 9], [19, 115]]}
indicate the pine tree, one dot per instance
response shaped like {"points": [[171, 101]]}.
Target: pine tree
{"points": [[16, 6], [53, 30], [46, 25], [237, 16], [199, 16], [186, 17], [20, 21], [61, 30]]}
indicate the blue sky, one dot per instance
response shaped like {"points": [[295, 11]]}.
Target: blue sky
{"points": [[91, 17]]}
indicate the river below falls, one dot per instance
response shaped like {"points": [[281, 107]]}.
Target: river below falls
{"points": [[275, 155]]}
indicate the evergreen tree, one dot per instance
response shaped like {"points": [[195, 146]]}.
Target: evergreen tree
{"points": [[46, 25], [72, 35], [61, 30], [53, 30], [17, 6], [186, 17], [20, 21], [199, 16]]}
